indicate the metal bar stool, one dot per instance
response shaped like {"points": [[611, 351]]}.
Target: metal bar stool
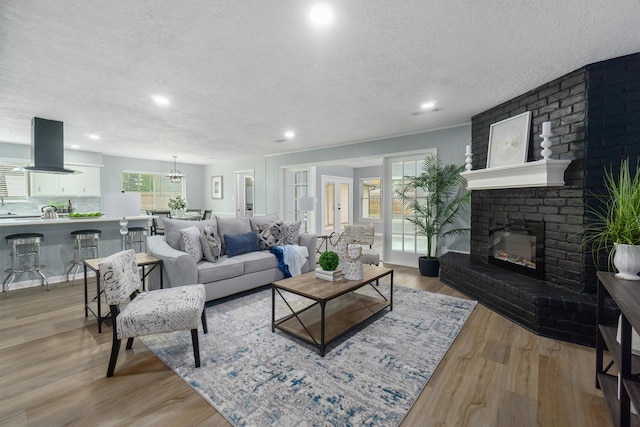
{"points": [[83, 240], [137, 239], [24, 245]]}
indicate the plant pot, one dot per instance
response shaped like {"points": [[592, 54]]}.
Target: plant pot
{"points": [[626, 259], [429, 267]]}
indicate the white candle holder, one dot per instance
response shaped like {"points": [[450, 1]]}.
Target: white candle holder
{"points": [[467, 162], [546, 142]]}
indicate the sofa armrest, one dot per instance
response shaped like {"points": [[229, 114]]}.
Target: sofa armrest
{"points": [[310, 241], [178, 268]]}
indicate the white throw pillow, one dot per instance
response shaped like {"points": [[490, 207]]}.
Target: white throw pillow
{"points": [[190, 242]]}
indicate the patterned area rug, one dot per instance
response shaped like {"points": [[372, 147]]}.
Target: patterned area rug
{"points": [[371, 377]]}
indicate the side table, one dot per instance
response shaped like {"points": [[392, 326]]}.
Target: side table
{"points": [[142, 259]]}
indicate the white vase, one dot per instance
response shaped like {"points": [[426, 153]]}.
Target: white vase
{"points": [[626, 259], [352, 265]]}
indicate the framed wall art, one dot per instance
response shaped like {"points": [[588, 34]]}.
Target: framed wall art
{"points": [[216, 187], [509, 141]]}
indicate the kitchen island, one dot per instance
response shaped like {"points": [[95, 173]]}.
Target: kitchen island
{"points": [[56, 251]]}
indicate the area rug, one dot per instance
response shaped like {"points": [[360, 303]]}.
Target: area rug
{"points": [[371, 376]]}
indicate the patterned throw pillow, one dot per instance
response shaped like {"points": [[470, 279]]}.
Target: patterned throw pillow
{"points": [[211, 245], [291, 232], [190, 242], [270, 235]]}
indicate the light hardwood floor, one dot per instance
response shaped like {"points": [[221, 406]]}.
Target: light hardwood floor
{"points": [[53, 364]]}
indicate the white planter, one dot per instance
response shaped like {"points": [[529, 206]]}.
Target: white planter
{"points": [[626, 259]]}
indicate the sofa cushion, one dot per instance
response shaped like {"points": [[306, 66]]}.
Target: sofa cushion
{"points": [[226, 268], [232, 226], [241, 243], [270, 235], [257, 261], [291, 232], [259, 221], [190, 242], [172, 229]]}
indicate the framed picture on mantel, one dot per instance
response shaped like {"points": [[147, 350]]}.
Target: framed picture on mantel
{"points": [[216, 187], [509, 141]]}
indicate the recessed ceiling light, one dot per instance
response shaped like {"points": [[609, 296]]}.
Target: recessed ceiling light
{"points": [[75, 147], [427, 105], [160, 100], [321, 14], [93, 136], [289, 134]]}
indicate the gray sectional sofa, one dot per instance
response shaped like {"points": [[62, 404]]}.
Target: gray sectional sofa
{"points": [[229, 275]]}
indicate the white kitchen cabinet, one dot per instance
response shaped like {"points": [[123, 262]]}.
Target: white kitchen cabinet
{"points": [[85, 184]]}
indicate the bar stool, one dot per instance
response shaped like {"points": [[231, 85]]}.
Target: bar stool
{"points": [[137, 237], [83, 240], [24, 245]]}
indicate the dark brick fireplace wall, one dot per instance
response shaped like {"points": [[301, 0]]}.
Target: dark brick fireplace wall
{"points": [[595, 115]]}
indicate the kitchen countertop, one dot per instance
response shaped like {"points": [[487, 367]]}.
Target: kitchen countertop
{"points": [[14, 220]]}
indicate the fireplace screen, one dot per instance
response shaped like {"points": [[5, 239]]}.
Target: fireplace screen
{"points": [[518, 246]]}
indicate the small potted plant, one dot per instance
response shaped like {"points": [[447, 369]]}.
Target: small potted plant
{"points": [[328, 261], [613, 223], [433, 201]]}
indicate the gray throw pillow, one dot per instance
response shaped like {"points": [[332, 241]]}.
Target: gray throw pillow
{"points": [[232, 227], [211, 244], [291, 232]]}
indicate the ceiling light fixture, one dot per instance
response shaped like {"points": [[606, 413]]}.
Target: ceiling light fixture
{"points": [[427, 107], [321, 14], [93, 136], [160, 100], [175, 175], [289, 134]]}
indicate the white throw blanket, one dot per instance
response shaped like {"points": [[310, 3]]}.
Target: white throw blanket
{"points": [[294, 257]]}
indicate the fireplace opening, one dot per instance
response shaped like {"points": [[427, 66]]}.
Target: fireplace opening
{"points": [[518, 246]]}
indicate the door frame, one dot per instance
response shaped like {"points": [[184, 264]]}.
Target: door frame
{"points": [[240, 203]]}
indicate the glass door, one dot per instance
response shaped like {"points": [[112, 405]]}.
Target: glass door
{"points": [[402, 245], [337, 203]]}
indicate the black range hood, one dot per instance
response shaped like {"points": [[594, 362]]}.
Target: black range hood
{"points": [[47, 147]]}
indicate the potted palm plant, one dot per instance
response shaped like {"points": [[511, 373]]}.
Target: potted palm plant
{"points": [[613, 223], [434, 202]]}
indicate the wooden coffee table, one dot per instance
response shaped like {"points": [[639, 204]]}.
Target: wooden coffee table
{"points": [[335, 309]]}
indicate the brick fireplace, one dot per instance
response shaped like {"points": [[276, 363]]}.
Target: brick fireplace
{"points": [[595, 115]]}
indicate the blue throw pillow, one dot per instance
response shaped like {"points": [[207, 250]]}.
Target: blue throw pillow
{"points": [[241, 243]]}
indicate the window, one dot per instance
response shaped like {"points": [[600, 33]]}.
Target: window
{"points": [[155, 189], [370, 201], [297, 186], [13, 184]]}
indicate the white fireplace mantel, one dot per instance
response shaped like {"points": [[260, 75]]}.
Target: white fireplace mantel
{"points": [[541, 173]]}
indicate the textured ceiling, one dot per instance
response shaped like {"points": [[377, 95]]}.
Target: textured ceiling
{"points": [[239, 73]]}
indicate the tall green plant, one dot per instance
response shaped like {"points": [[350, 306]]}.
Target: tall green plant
{"points": [[433, 200], [616, 216]]}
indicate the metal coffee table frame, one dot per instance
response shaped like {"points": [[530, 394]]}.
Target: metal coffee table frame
{"points": [[319, 324]]}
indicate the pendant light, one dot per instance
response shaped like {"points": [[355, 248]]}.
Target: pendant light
{"points": [[175, 175]]}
